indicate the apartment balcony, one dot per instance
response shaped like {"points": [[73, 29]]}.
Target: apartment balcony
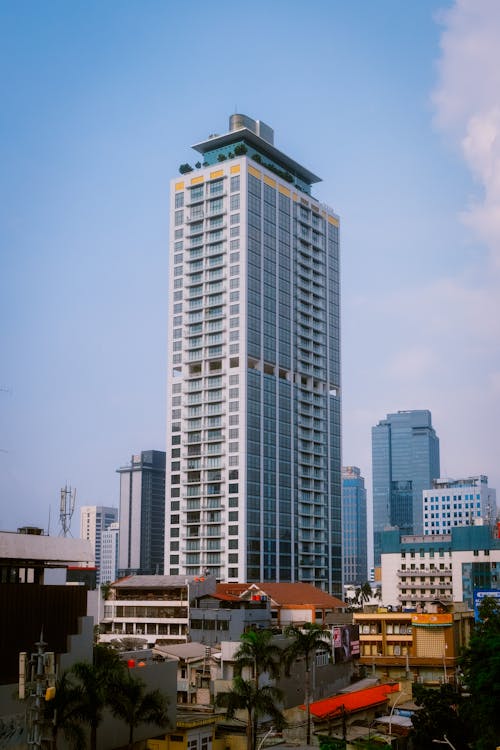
{"points": [[426, 571]]}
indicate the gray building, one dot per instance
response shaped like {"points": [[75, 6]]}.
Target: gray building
{"points": [[354, 539], [142, 515], [405, 460], [253, 487]]}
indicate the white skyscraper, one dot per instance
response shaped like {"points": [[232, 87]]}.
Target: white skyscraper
{"points": [[253, 448], [94, 520], [458, 502], [109, 553]]}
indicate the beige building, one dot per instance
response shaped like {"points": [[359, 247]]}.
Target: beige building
{"points": [[422, 647]]}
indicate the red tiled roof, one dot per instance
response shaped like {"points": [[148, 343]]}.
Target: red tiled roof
{"points": [[351, 702], [286, 593]]}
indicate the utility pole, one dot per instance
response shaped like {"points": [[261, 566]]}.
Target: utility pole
{"points": [[41, 690]]}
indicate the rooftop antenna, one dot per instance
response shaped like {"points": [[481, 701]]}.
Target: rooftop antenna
{"points": [[66, 510]]}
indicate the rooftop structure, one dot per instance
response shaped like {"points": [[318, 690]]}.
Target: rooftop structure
{"points": [[253, 466]]}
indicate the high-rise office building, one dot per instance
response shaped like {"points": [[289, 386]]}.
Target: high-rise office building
{"points": [[405, 460], [253, 448], [94, 520], [458, 502], [142, 515], [109, 553], [354, 539]]}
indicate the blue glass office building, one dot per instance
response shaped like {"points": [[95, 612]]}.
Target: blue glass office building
{"points": [[354, 539], [405, 460], [253, 462]]}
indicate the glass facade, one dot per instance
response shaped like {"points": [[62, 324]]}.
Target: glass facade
{"points": [[354, 540], [274, 415], [405, 461]]}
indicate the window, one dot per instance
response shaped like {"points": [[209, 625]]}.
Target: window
{"points": [[234, 202], [179, 200], [179, 218], [235, 183]]}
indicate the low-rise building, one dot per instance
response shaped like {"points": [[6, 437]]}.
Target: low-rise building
{"points": [[423, 647], [290, 603], [155, 608], [417, 570]]}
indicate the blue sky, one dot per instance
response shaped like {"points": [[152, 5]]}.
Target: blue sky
{"points": [[396, 105]]}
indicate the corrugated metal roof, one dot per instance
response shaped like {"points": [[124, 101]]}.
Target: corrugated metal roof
{"points": [[352, 702]]}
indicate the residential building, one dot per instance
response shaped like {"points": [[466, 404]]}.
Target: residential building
{"points": [[416, 646], [417, 570], [405, 460], [94, 520], [109, 553], [290, 603], [142, 515], [458, 502], [354, 530], [155, 607], [253, 471]]}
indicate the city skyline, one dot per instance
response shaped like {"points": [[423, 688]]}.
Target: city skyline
{"points": [[403, 140]]}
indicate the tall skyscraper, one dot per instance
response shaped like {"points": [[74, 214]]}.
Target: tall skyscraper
{"points": [[405, 460], [94, 520], [253, 449], [142, 515], [354, 539]]}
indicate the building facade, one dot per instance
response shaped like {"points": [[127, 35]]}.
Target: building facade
{"points": [[109, 553], [417, 570], [458, 502], [422, 647], [405, 460], [142, 515], [94, 521], [354, 539], [253, 467]]}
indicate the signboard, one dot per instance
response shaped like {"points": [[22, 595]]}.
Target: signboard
{"points": [[345, 642], [479, 595]]}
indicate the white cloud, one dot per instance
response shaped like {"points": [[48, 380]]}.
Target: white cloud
{"points": [[467, 107]]}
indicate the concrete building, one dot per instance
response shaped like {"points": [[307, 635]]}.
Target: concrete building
{"points": [[109, 553], [94, 521], [142, 515], [417, 570], [153, 608], [354, 530], [253, 471], [458, 502], [405, 460], [418, 647]]}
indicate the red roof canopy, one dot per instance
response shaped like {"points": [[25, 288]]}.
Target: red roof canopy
{"points": [[351, 702]]}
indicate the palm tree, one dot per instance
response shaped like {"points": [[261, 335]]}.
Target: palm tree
{"points": [[256, 701], [130, 701], [63, 713], [366, 592], [94, 680], [306, 640], [258, 652]]}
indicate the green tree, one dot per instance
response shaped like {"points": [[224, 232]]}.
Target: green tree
{"points": [[366, 592], [306, 640], [63, 713], [131, 702], [481, 668], [440, 714], [94, 680], [258, 702], [258, 651]]}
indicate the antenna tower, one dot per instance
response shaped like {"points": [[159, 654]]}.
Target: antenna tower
{"points": [[66, 510]]}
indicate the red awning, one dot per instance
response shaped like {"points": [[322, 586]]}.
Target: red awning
{"points": [[351, 702]]}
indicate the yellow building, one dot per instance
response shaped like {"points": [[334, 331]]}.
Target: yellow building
{"points": [[423, 647]]}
